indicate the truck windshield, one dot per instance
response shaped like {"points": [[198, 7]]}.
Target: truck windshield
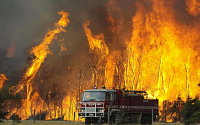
{"points": [[94, 96]]}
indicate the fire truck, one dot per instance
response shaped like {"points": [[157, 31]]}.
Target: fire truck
{"points": [[100, 106]]}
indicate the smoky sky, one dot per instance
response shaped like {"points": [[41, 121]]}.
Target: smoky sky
{"points": [[24, 24]]}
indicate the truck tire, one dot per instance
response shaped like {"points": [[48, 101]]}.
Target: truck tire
{"points": [[112, 119], [87, 121], [146, 119], [99, 122]]}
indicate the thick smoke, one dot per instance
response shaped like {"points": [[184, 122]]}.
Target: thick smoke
{"points": [[25, 23]]}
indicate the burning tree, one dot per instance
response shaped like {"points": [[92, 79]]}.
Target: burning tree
{"points": [[150, 45], [8, 100], [175, 109]]}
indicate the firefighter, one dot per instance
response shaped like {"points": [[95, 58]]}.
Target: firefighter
{"points": [[103, 87]]}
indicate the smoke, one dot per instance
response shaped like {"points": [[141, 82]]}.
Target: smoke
{"points": [[24, 24]]}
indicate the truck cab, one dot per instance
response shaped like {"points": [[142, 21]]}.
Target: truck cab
{"points": [[93, 105]]}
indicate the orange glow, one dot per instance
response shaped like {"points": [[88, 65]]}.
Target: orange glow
{"points": [[162, 56], [32, 98], [63, 48], [193, 7], [96, 42], [116, 23], [2, 80]]}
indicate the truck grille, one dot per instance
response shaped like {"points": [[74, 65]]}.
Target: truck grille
{"points": [[90, 109]]}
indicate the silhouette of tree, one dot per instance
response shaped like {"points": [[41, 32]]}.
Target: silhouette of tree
{"points": [[165, 112], [191, 111], [7, 94], [175, 110]]}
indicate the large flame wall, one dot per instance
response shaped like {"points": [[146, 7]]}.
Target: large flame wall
{"points": [[148, 45], [162, 55]]}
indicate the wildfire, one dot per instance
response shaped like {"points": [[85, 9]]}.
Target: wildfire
{"points": [[160, 56], [63, 47], [2, 80], [40, 52], [193, 7], [96, 42]]}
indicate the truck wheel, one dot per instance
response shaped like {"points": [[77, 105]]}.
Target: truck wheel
{"points": [[145, 121], [87, 121], [99, 122], [112, 119]]}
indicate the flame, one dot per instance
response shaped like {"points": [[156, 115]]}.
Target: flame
{"points": [[96, 42], [70, 101], [162, 56], [97, 45], [159, 53], [2, 80], [193, 7], [40, 52], [63, 47]]}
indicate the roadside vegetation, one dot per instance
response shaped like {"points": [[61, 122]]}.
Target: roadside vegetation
{"points": [[176, 111], [179, 111], [9, 99]]}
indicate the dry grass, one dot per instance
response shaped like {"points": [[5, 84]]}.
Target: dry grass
{"points": [[27, 122]]}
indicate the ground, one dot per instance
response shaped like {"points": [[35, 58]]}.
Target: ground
{"points": [[27, 122]]}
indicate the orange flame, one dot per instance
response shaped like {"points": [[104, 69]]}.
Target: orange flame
{"points": [[40, 52], [63, 48], [2, 80], [97, 42], [193, 7], [160, 57]]}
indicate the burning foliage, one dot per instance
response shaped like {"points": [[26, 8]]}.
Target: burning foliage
{"points": [[2, 80], [150, 45]]}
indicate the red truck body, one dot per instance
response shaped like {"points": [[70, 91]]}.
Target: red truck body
{"points": [[117, 106]]}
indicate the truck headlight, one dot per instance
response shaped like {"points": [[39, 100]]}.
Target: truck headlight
{"points": [[101, 110], [82, 110]]}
